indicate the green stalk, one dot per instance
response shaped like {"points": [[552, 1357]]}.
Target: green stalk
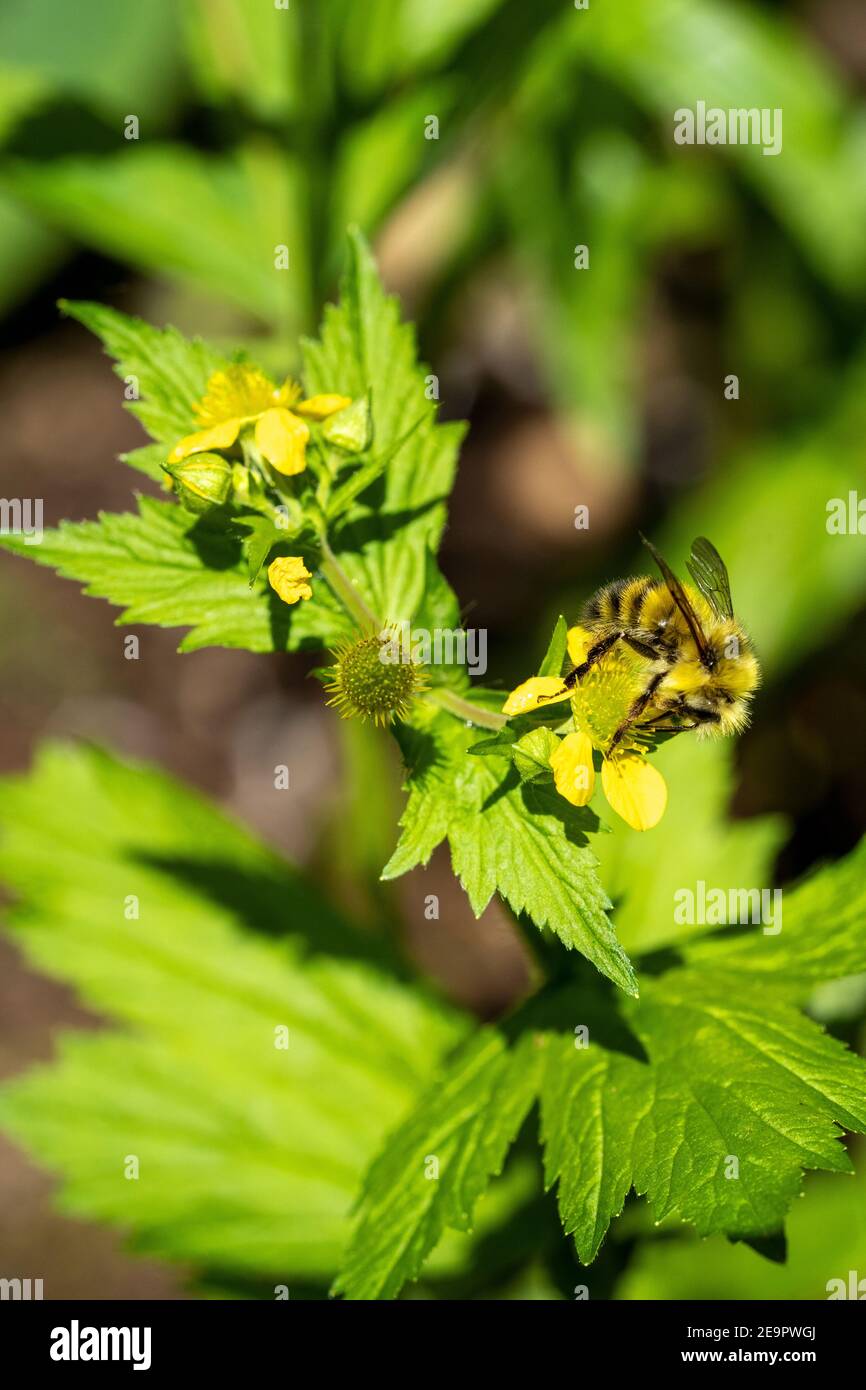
{"points": [[464, 709], [345, 590], [367, 621]]}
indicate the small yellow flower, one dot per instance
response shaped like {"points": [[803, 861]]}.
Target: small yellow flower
{"points": [[288, 575], [240, 396], [634, 788]]}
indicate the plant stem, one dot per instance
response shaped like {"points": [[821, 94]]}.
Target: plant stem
{"points": [[356, 607], [345, 589], [464, 709]]}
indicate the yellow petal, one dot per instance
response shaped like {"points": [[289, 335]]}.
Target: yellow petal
{"points": [[220, 437], [282, 439], [579, 643], [635, 789], [527, 696], [237, 392], [320, 407], [288, 576], [573, 772]]}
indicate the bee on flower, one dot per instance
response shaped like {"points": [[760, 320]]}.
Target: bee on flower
{"points": [[651, 657]]}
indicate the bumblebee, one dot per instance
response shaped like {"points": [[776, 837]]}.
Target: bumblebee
{"points": [[701, 668]]}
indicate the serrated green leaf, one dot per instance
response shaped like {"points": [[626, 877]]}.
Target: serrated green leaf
{"points": [[250, 1154], [821, 934], [499, 746], [384, 542], [593, 1102], [736, 1095], [710, 1100], [438, 1164], [166, 567], [738, 1074], [522, 841], [162, 571], [343, 496], [168, 372], [260, 535]]}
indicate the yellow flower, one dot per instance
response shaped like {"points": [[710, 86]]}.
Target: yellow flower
{"points": [[288, 575], [240, 396], [634, 788]]}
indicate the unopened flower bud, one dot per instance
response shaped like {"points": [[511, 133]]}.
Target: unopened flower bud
{"points": [[350, 429], [202, 481]]}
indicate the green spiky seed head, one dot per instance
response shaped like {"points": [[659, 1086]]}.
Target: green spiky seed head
{"points": [[371, 680]]}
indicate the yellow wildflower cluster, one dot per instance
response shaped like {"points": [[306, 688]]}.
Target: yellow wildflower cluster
{"points": [[241, 398]]}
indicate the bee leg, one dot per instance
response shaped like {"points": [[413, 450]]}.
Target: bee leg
{"points": [[642, 648], [702, 716], [655, 726], [637, 709], [594, 655]]}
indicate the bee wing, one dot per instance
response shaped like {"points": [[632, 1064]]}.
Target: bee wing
{"points": [[679, 596], [708, 570]]}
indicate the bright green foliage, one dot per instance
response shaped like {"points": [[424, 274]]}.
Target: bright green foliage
{"points": [[593, 1102], [214, 221], [162, 566], [364, 346], [822, 936], [711, 1095], [165, 567], [738, 1074], [166, 372], [826, 1237], [695, 839], [250, 1153], [436, 1166], [508, 830], [521, 840]]}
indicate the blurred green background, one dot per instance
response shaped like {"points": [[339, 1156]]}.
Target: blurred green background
{"points": [[259, 127]]}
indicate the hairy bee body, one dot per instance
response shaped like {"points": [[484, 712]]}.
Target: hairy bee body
{"points": [[700, 665]]}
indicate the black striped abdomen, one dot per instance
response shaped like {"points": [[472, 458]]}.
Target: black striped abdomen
{"points": [[618, 604]]}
